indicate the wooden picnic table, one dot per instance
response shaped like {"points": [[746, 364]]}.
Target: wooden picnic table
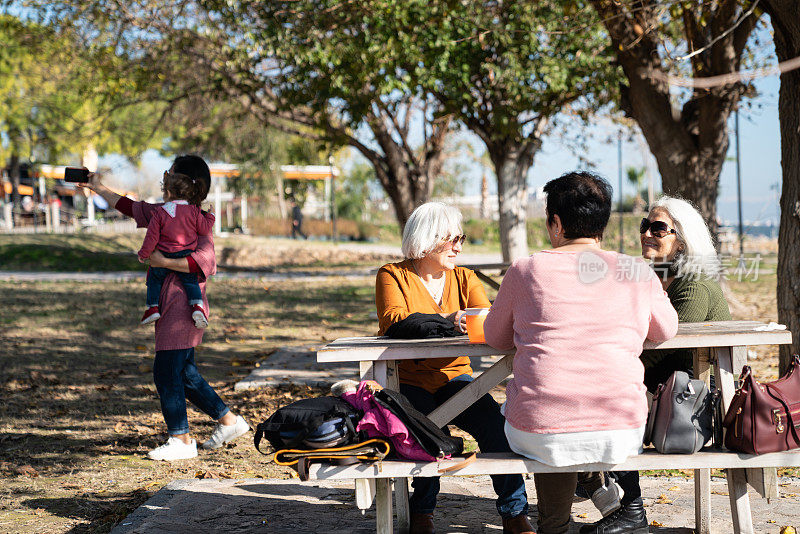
{"points": [[723, 344]]}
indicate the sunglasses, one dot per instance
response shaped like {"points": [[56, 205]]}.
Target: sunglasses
{"points": [[457, 240], [657, 228]]}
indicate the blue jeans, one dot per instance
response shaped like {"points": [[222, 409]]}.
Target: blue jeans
{"points": [[177, 379], [157, 275], [485, 423]]}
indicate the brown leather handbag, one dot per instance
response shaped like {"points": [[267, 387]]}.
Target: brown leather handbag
{"points": [[765, 417]]}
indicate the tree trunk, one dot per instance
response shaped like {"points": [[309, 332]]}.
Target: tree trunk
{"points": [[693, 177], [406, 177], [14, 175], [405, 187], [511, 163], [786, 26], [689, 143]]}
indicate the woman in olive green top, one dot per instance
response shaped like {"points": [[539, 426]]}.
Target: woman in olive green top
{"points": [[675, 238]]}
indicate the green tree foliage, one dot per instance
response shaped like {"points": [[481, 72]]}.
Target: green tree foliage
{"points": [[506, 69], [353, 192], [51, 108], [312, 68]]}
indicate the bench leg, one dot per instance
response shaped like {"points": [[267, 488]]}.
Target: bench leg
{"points": [[764, 481], [702, 501], [401, 503], [365, 493], [383, 506], [702, 477], [740, 502]]}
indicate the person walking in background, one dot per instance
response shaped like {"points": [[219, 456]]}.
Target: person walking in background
{"points": [[297, 220], [175, 372], [578, 324]]}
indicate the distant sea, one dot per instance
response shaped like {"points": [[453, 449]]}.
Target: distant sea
{"points": [[754, 230]]}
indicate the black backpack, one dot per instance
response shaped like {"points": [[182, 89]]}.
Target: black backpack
{"points": [[433, 439], [311, 424]]}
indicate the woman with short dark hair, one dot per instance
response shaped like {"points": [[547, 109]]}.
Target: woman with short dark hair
{"points": [[578, 322]]}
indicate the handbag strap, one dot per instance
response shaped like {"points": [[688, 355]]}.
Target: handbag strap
{"points": [[463, 463], [651, 417], [370, 450]]}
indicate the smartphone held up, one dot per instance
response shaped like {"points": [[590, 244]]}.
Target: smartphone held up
{"points": [[76, 175]]}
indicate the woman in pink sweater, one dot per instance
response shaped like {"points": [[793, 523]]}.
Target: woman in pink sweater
{"points": [[578, 316]]}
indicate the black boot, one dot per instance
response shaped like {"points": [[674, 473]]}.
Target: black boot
{"points": [[630, 519]]}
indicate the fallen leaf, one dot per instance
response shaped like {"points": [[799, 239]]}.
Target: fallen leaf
{"points": [[239, 362], [141, 348], [788, 530], [674, 488], [266, 288], [655, 524], [26, 470], [583, 516], [119, 427], [662, 499]]}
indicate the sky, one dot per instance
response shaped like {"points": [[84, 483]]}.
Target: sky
{"points": [[759, 155]]}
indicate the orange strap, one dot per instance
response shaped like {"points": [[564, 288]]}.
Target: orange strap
{"points": [[468, 460]]}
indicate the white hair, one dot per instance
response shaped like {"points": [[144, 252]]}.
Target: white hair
{"points": [[699, 255], [429, 225]]}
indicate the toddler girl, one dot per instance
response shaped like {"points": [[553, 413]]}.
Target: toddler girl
{"points": [[173, 230]]}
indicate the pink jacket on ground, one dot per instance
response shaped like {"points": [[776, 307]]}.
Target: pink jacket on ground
{"points": [[378, 422], [175, 226], [175, 330], [578, 320]]}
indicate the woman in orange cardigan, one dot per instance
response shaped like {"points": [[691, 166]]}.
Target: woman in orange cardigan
{"points": [[429, 282]]}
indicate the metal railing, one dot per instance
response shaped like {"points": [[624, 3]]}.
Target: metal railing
{"points": [[69, 222]]}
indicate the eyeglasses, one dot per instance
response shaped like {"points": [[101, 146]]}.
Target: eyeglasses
{"points": [[457, 240], [657, 228]]}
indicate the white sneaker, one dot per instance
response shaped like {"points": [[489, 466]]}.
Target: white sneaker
{"points": [[224, 433], [174, 449], [606, 498]]}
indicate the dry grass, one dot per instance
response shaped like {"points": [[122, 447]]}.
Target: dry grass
{"points": [[79, 409]]}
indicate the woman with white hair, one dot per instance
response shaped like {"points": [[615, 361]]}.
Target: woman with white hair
{"points": [[675, 238], [429, 282]]}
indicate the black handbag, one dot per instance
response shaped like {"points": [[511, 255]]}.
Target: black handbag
{"points": [[314, 423]]}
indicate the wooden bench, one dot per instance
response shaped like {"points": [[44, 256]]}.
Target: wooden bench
{"points": [[495, 463], [722, 345]]}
